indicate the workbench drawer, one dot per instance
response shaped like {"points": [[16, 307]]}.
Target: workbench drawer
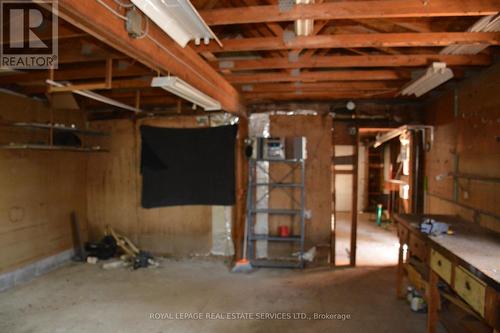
{"points": [[418, 248], [472, 290], [441, 266], [403, 234]]}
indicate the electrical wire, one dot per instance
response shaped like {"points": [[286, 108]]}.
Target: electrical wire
{"points": [[105, 5], [124, 5]]}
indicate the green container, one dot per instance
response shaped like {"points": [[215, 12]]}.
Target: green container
{"points": [[379, 214]]}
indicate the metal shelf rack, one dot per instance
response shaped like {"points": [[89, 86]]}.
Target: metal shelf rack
{"points": [[252, 211]]}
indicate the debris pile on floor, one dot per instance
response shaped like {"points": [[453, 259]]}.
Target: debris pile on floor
{"points": [[114, 243]]}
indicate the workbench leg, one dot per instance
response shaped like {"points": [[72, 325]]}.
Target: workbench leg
{"points": [[400, 278], [432, 302]]}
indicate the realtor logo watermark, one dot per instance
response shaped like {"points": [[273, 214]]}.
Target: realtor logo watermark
{"points": [[29, 35]]}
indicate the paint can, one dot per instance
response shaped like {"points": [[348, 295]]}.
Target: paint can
{"points": [[417, 303], [283, 231]]}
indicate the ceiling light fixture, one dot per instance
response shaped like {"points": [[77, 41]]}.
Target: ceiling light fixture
{"points": [[182, 89], [96, 97], [427, 138], [178, 19], [486, 24], [433, 77], [304, 27]]}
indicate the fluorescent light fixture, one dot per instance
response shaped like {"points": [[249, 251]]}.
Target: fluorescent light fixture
{"points": [[304, 27], [388, 136], [96, 97], [7, 70], [178, 19], [433, 77], [182, 89], [486, 24]]}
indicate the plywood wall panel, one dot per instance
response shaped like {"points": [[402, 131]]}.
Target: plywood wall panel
{"points": [[114, 196], [467, 128], [40, 189], [317, 130], [111, 187]]}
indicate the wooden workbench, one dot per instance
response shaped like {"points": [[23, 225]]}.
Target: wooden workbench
{"points": [[468, 262]]}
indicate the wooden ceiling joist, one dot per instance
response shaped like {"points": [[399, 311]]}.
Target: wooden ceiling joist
{"points": [[299, 95], [353, 41], [323, 86], [351, 10], [157, 51], [416, 60], [360, 75]]}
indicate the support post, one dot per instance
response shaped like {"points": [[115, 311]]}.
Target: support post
{"points": [[433, 302], [333, 221], [241, 188], [354, 221], [400, 277]]}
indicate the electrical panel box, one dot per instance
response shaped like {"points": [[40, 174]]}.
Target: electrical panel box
{"points": [[279, 148]]}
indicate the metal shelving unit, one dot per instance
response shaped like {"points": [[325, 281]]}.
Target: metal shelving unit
{"points": [[252, 211]]}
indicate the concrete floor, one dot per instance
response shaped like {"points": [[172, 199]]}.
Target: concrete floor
{"points": [[86, 298], [377, 246]]}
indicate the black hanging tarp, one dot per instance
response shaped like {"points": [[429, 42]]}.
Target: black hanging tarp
{"points": [[187, 166]]}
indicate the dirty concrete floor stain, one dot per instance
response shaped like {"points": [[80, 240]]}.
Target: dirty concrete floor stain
{"points": [[85, 298]]}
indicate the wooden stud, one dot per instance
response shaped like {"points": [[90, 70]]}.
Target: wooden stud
{"points": [[138, 99], [109, 73], [354, 217], [241, 188], [333, 227]]}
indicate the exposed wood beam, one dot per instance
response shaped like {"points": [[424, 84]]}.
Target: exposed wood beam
{"points": [[354, 40], [416, 60], [318, 95], [374, 75], [323, 86], [157, 51], [351, 10], [403, 109]]}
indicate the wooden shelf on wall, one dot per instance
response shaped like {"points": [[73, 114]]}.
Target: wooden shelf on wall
{"points": [[22, 146], [43, 126]]}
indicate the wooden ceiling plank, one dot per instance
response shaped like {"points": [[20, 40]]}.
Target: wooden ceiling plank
{"points": [[351, 10]]}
